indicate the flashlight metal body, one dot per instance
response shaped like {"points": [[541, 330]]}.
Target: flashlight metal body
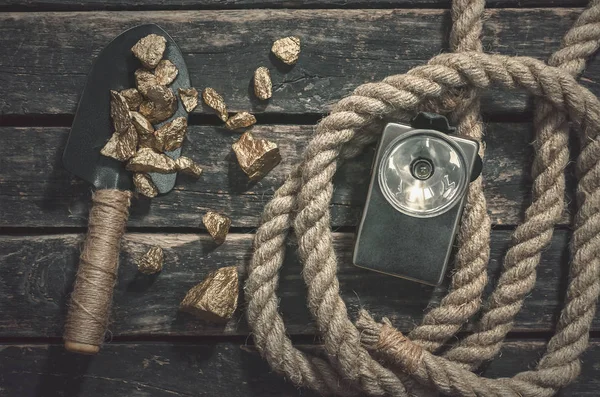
{"points": [[398, 242]]}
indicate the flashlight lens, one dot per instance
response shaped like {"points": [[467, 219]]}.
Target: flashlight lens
{"points": [[422, 174]]}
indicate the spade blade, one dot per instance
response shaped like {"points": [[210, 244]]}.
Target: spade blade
{"points": [[92, 127]]}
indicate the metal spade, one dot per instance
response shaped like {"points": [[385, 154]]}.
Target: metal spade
{"points": [[92, 127]]}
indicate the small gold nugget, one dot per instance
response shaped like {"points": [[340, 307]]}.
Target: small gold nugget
{"points": [[165, 72], [121, 146], [133, 97], [170, 136], [256, 156], [189, 98], [263, 87], [143, 127], [145, 79], [188, 166], [144, 185], [147, 160], [217, 225], [119, 112], [215, 298], [287, 49], [152, 261], [240, 120], [215, 101], [149, 50]]}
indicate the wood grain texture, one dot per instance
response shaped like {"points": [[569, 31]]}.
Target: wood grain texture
{"points": [[221, 369], [48, 55], [38, 272], [227, 4], [36, 191]]}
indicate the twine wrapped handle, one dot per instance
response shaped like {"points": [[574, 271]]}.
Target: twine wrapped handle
{"points": [[91, 300]]}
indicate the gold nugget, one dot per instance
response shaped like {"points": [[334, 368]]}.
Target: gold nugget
{"points": [[170, 136], [263, 87], [119, 112], [215, 101], [215, 298], [217, 225], [240, 120], [133, 97], [189, 98], [147, 160], [287, 49], [145, 79], [165, 72], [144, 185], [142, 126], [188, 166], [149, 50], [121, 146], [159, 112], [152, 261], [256, 156]]}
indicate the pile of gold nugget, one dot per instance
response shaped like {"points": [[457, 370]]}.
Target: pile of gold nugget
{"points": [[134, 112]]}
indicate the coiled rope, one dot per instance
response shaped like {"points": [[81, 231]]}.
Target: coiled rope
{"points": [[449, 82]]}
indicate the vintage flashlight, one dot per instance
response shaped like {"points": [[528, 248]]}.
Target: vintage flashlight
{"points": [[418, 187]]}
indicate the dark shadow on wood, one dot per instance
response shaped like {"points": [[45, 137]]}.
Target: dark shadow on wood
{"points": [[72, 368], [238, 181]]}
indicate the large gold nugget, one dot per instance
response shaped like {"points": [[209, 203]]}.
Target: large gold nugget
{"points": [[189, 98], [165, 72], [263, 87], [215, 101], [133, 97], [152, 261], [215, 298], [256, 156], [217, 225], [187, 166], [121, 146], [287, 49], [147, 160], [170, 136], [119, 112], [240, 120], [144, 185], [149, 50]]}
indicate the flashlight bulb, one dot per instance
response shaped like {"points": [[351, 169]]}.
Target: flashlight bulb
{"points": [[422, 169], [422, 174]]}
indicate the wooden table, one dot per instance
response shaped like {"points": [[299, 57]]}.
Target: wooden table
{"points": [[47, 49]]}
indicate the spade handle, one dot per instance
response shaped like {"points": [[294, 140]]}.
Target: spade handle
{"points": [[89, 309]]}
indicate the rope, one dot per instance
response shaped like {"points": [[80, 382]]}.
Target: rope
{"points": [[303, 201]]}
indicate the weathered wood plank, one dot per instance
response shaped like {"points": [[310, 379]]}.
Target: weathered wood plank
{"points": [[37, 274], [225, 4], [231, 369], [47, 55], [36, 191]]}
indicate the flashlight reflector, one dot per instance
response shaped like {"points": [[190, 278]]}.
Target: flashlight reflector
{"points": [[423, 174]]}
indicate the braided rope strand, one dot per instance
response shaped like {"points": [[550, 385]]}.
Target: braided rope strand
{"points": [[535, 233], [470, 273]]}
